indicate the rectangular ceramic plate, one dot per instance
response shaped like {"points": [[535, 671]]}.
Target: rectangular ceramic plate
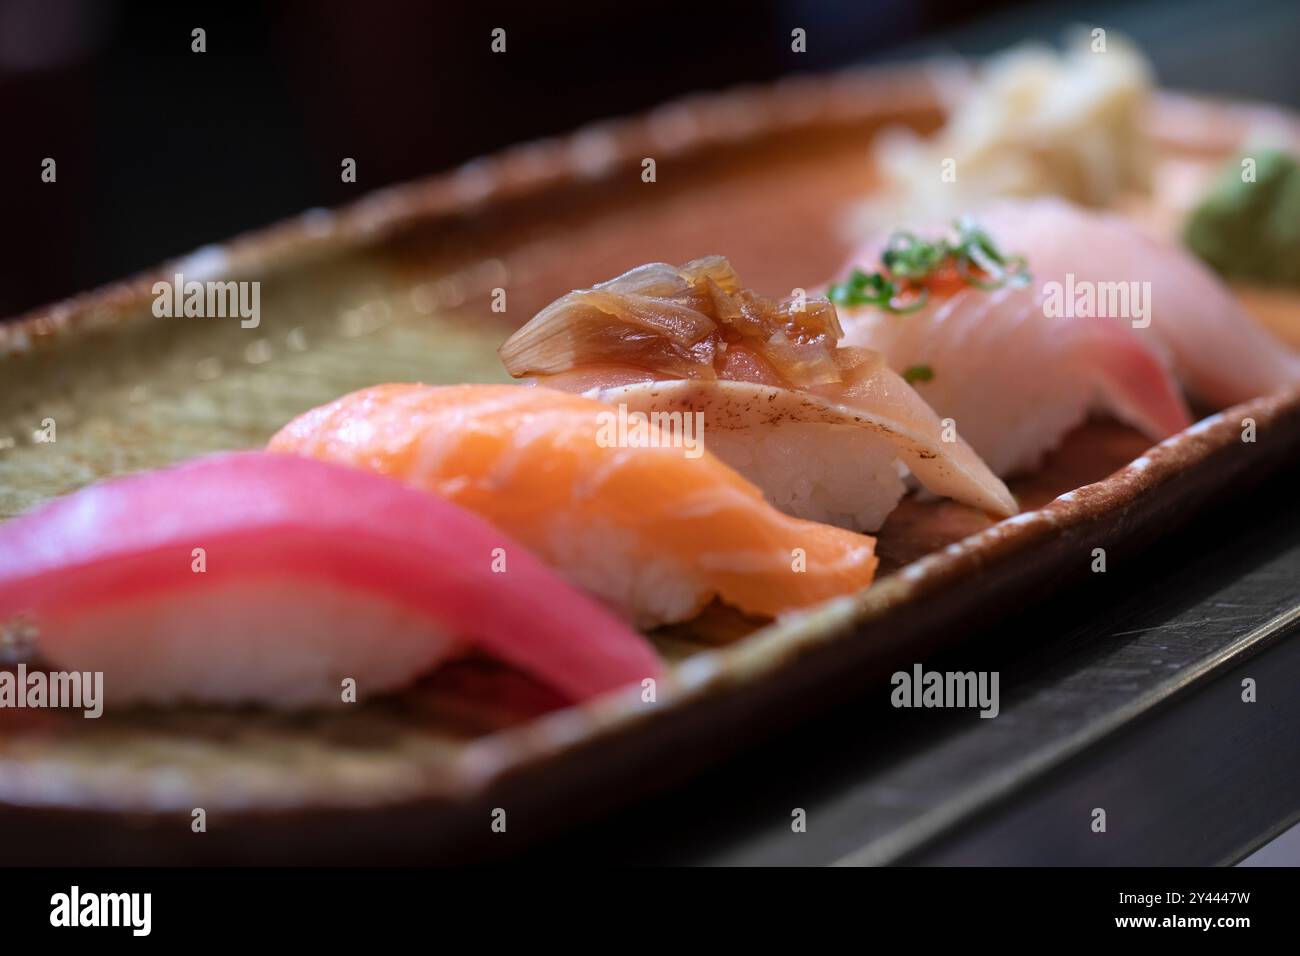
{"points": [[397, 288]]}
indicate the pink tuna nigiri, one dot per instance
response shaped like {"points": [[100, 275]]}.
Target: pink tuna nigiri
{"points": [[308, 573], [980, 348]]}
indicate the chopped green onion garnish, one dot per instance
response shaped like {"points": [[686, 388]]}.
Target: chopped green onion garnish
{"points": [[908, 261], [874, 289]]}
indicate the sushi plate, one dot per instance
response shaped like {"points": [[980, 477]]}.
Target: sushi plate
{"points": [[399, 287]]}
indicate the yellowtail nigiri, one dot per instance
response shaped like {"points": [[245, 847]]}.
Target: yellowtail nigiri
{"points": [[961, 320], [1094, 261]]}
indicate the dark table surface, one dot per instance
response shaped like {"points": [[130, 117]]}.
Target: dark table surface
{"points": [[1125, 694], [1244, 49], [253, 130]]}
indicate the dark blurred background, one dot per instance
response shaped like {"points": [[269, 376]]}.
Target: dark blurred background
{"points": [[161, 150]]}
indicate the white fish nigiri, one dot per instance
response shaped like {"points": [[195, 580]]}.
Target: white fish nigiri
{"points": [[1219, 354], [984, 353], [827, 433]]}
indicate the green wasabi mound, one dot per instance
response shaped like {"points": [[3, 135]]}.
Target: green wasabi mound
{"points": [[1251, 230]]}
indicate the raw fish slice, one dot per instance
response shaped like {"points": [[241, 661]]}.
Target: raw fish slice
{"points": [[311, 573], [654, 532], [829, 453], [1015, 381], [1216, 350], [848, 425]]}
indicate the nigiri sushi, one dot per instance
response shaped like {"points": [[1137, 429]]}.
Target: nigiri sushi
{"points": [[963, 321], [653, 530], [828, 433], [268, 579], [1189, 318]]}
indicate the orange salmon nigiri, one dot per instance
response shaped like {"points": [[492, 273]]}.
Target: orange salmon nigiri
{"points": [[640, 516]]}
